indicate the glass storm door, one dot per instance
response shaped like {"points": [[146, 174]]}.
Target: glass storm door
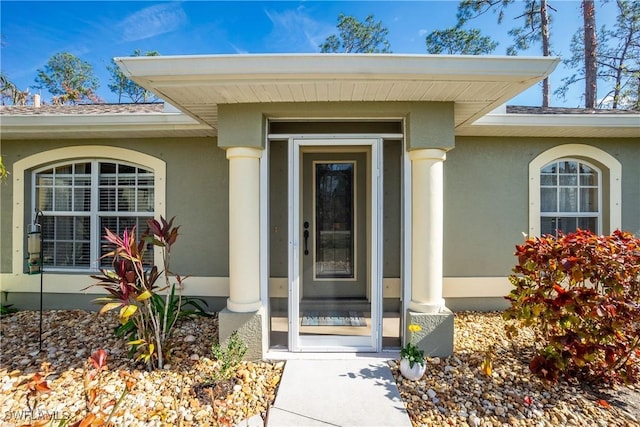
{"points": [[336, 309]]}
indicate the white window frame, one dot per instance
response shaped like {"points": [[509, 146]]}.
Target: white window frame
{"points": [[577, 214], [583, 153], [94, 213], [22, 208]]}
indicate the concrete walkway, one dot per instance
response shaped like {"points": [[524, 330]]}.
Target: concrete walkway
{"points": [[353, 392]]}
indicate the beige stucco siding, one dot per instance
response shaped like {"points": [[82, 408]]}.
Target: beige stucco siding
{"points": [[486, 198], [278, 211], [428, 124]]}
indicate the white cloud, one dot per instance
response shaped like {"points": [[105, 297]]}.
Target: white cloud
{"points": [[238, 49], [152, 21], [422, 32], [296, 31]]}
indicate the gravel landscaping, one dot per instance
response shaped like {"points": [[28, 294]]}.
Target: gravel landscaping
{"points": [[454, 391], [177, 395]]}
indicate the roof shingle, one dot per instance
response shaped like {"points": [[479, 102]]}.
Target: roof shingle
{"points": [[82, 109]]}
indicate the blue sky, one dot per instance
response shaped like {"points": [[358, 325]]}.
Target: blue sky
{"points": [[100, 30]]}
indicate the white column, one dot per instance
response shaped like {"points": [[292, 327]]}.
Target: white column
{"points": [[427, 236], [244, 229]]}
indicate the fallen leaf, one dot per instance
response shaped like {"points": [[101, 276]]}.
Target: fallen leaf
{"points": [[604, 403]]}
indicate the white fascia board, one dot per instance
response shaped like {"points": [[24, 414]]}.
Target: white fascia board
{"points": [[336, 66], [37, 126], [560, 120], [89, 121]]}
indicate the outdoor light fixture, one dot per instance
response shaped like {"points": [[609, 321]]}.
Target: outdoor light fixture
{"points": [[34, 246]]}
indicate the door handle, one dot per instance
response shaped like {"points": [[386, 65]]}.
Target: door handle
{"points": [[306, 237]]}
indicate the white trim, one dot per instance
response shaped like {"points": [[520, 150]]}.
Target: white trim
{"points": [[599, 120], [106, 125], [454, 287], [264, 246], [283, 136], [313, 66], [76, 283], [293, 244], [20, 167], [572, 151], [578, 125], [405, 256]]}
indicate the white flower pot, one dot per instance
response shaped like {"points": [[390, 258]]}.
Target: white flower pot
{"points": [[410, 373]]}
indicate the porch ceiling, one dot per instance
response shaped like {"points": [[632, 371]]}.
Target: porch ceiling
{"points": [[198, 84]]}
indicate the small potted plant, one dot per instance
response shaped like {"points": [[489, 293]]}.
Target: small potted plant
{"points": [[412, 365]]}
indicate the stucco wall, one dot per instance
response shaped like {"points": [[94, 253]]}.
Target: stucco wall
{"points": [[486, 201], [428, 124], [486, 198]]}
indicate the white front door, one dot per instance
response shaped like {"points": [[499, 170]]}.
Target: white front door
{"points": [[334, 226]]}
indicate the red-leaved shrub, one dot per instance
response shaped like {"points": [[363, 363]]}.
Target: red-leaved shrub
{"points": [[580, 293]]}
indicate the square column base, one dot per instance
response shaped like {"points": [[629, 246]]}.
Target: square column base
{"points": [[249, 327], [436, 336]]}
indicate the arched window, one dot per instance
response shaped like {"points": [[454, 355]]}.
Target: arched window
{"points": [[574, 186], [570, 197], [80, 199]]}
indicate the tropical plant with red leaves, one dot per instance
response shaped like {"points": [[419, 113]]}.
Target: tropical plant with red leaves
{"points": [[36, 385], [96, 403], [580, 293], [147, 312]]}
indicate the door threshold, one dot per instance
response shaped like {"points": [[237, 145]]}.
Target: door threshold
{"points": [[384, 355]]}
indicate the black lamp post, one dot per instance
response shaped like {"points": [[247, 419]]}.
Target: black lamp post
{"points": [[36, 255]]}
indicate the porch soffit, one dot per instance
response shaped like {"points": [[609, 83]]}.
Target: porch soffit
{"points": [[197, 84]]}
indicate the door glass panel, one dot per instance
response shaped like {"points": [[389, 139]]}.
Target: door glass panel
{"points": [[334, 220]]}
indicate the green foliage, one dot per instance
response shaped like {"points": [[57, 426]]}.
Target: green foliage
{"points": [[471, 9], [534, 19], [6, 309], [123, 87], [618, 54], [457, 41], [535, 24], [69, 79], [146, 316], [581, 295], [4, 173], [413, 354], [229, 357], [10, 94], [357, 37]]}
